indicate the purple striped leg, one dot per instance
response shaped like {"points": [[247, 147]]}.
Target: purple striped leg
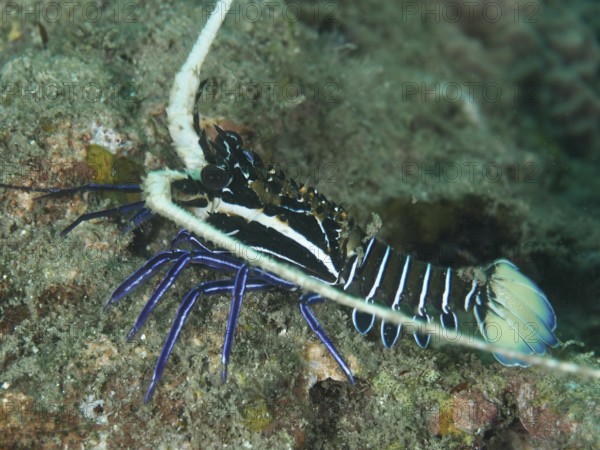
{"points": [[310, 299], [234, 313], [206, 289]]}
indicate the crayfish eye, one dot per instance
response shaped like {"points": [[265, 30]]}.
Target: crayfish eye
{"points": [[214, 177]]}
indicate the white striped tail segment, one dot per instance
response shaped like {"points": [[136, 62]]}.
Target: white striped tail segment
{"points": [[507, 307]]}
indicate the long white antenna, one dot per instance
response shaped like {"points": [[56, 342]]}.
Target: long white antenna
{"points": [[185, 86]]}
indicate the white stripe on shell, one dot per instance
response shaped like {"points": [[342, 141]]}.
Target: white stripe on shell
{"points": [[424, 291], [469, 295], [367, 251], [446, 291], [402, 283], [251, 215], [352, 272], [379, 274]]}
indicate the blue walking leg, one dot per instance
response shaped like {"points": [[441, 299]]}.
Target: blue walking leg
{"points": [[124, 209], [138, 219], [207, 288], [153, 265], [141, 275], [234, 313], [160, 290], [310, 299], [56, 192]]}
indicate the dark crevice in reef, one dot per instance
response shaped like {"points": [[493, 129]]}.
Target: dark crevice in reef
{"points": [[452, 233]]}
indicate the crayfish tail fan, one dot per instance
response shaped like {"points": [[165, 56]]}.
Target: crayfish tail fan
{"points": [[514, 313]]}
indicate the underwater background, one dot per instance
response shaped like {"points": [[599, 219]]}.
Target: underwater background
{"points": [[469, 128]]}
